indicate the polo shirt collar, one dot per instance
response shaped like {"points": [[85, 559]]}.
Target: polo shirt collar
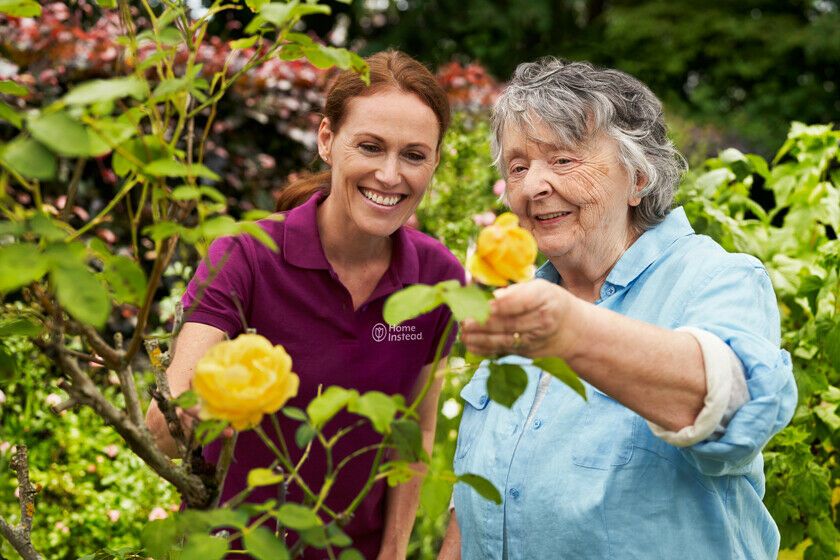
{"points": [[641, 254], [302, 245]]}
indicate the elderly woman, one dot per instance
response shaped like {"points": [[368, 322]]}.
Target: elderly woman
{"points": [[676, 339]]}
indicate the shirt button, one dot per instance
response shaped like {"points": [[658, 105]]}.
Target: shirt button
{"points": [[610, 290], [537, 424], [514, 493], [483, 400]]}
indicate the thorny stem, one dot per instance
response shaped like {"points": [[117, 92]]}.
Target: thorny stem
{"points": [[20, 536]]}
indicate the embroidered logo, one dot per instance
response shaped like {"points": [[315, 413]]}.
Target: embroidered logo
{"points": [[399, 333], [379, 332]]}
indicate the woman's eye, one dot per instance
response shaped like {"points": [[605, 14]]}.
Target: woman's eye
{"points": [[369, 148], [562, 161], [517, 169], [416, 157]]}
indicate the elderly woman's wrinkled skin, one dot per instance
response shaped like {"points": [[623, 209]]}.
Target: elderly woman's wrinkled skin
{"points": [[587, 184]]}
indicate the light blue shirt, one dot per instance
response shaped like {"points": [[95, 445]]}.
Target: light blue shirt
{"points": [[589, 479]]}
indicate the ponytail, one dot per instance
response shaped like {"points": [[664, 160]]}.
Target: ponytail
{"points": [[301, 190]]}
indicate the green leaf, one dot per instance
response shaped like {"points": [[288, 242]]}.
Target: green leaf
{"points": [[126, 278], [304, 434], [107, 4], [9, 114], [377, 407], [468, 302], [12, 88], [169, 87], [213, 194], [406, 437], [258, 233], [350, 553], [263, 477], [162, 230], [204, 547], [294, 413], [263, 545], [326, 405], [315, 537], [20, 265], [297, 517], [186, 192], [831, 346], [277, 13], [410, 302], [66, 136], [323, 56], [483, 486], [46, 227], [96, 91], [113, 132], [506, 383], [144, 150], [81, 294], [187, 399], [225, 518], [29, 158], [208, 430], [255, 5], [173, 168], [19, 326], [561, 370], [245, 43], [8, 365], [337, 537], [20, 8], [158, 537]]}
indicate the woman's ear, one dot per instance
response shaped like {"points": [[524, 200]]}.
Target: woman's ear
{"points": [[641, 183], [325, 140]]}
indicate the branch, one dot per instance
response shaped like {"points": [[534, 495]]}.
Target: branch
{"points": [[128, 388], [73, 189], [198, 491], [20, 536]]}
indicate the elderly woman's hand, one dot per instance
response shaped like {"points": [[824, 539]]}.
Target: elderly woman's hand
{"points": [[533, 319]]}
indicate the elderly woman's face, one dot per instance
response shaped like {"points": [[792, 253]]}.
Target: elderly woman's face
{"points": [[576, 201]]}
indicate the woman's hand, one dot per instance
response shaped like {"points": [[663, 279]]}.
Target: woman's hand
{"points": [[535, 318]]}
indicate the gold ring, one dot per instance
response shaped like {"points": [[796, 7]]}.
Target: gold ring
{"points": [[517, 340]]}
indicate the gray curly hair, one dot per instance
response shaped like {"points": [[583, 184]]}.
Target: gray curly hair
{"points": [[577, 101]]}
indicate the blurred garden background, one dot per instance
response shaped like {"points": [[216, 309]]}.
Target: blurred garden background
{"points": [[751, 94]]}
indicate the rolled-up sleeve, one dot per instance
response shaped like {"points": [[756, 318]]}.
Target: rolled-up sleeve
{"points": [[736, 302]]}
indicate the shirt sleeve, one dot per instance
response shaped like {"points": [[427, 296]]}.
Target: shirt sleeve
{"points": [[223, 280], [737, 304]]}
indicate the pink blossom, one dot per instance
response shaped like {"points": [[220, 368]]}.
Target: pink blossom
{"points": [[59, 525], [53, 399], [4, 446], [2, 397], [113, 515], [158, 513], [484, 219], [499, 187], [111, 450]]}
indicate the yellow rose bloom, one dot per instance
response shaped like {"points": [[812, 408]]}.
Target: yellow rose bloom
{"points": [[239, 380], [504, 253]]}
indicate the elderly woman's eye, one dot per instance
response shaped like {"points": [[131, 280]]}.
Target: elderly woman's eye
{"points": [[562, 161]]}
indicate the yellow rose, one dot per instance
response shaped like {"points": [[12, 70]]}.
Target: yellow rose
{"points": [[240, 380], [504, 253]]}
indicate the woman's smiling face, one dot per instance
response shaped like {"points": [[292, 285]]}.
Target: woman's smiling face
{"points": [[382, 156], [576, 201]]}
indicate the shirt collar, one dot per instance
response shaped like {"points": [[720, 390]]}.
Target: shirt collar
{"points": [[302, 245], [641, 254]]}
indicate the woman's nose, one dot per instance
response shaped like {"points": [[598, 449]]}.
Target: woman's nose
{"points": [[388, 173], [536, 184]]}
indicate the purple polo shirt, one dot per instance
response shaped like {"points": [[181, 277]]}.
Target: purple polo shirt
{"points": [[294, 298]]}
